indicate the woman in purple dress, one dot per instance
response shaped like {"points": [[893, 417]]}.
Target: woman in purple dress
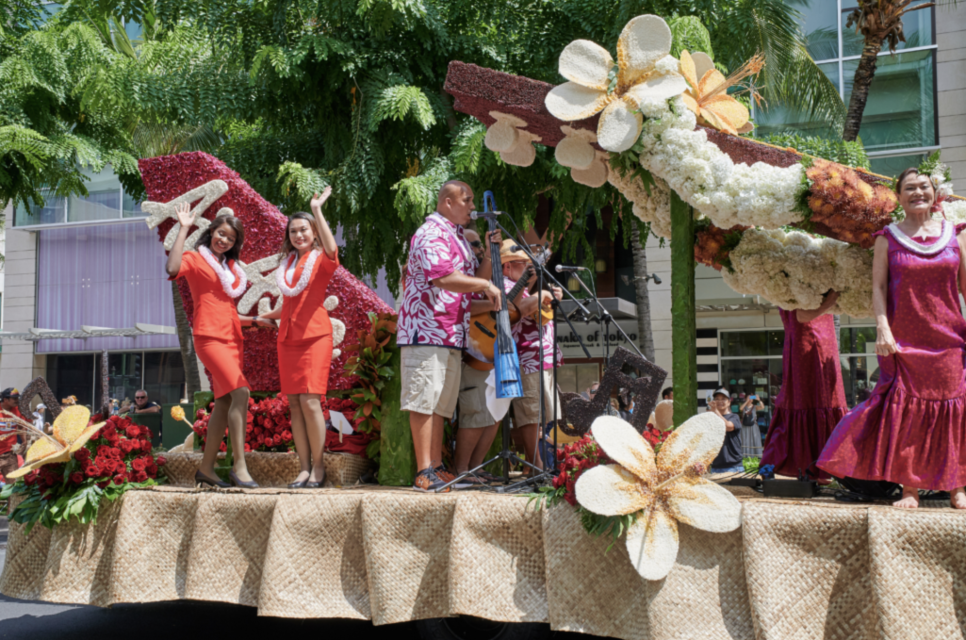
{"points": [[912, 429], [812, 400]]}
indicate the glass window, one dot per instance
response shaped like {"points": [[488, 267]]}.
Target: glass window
{"points": [[820, 27], [761, 377], [131, 208], [780, 119], [72, 375], [916, 26], [900, 111], [751, 343], [164, 378], [53, 212], [576, 378], [894, 165], [103, 201], [124, 374]]}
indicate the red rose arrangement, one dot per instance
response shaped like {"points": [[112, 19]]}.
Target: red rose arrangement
{"points": [[268, 426], [575, 458], [655, 437], [116, 459]]}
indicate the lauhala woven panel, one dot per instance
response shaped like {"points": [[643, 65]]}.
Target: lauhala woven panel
{"points": [[273, 470], [793, 571]]}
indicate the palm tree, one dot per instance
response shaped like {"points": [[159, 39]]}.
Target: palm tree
{"points": [[878, 22]]}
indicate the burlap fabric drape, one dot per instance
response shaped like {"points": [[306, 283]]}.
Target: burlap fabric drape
{"points": [[793, 571]]}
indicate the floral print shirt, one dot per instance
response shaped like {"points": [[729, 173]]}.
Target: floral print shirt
{"points": [[526, 335], [430, 315]]}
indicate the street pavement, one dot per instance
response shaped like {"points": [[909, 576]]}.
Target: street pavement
{"points": [[182, 620]]}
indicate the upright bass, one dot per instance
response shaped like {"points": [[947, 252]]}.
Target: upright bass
{"points": [[505, 359]]}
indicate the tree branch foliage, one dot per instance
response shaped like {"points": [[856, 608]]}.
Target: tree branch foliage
{"points": [[299, 94]]}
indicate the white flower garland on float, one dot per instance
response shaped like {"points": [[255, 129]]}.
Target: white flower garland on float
{"points": [[793, 270]]}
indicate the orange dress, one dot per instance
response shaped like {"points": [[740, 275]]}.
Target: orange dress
{"points": [[217, 328], [304, 330]]}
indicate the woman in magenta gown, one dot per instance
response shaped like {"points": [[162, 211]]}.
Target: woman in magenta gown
{"points": [[812, 400], [912, 429]]}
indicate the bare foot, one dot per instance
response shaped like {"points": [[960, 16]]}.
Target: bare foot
{"points": [[958, 498], [910, 499]]}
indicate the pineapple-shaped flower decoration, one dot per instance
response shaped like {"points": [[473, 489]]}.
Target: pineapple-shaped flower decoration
{"points": [[707, 95], [596, 84], [659, 490]]}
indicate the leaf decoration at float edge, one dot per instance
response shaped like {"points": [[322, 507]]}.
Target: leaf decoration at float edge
{"points": [[71, 432], [707, 95], [644, 71], [659, 491]]}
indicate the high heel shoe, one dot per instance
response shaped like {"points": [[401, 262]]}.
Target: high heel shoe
{"points": [[299, 484], [315, 485], [202, 479], [241, 483]]}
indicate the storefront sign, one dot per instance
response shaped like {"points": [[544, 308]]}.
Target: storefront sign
{"points": [[594, 338]]}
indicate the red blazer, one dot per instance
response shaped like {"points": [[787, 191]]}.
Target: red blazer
{"points": [[303, 316], [215, 313]]}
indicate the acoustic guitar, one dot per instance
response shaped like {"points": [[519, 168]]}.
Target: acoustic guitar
{"points": [[482, 336]]}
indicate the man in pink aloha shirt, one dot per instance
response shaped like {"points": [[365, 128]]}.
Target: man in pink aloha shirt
{"points": [[441, 275]]}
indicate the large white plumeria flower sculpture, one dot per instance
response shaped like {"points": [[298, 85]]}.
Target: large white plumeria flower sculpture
{"points": [[644, 70], [661, 490]]}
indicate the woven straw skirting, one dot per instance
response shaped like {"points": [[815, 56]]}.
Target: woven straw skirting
{"points": [[271, 469], [793, 571]]}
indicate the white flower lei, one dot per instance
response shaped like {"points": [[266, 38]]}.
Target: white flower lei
{"points": [[303, 280], [225, 275]]}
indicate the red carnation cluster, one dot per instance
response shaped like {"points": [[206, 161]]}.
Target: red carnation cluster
{"points": [[167, 177], [575, 458], [269, 424], [119, 453]]}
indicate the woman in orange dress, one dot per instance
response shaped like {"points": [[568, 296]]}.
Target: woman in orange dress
{"points": [[309, 258], [215, 279]]}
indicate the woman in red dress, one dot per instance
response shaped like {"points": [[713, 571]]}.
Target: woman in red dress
{"points": [[215, 279], [309, 258], [812, 399]]}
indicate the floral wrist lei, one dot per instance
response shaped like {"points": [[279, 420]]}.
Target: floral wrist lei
{"points": [[225, 275], [303, 281]]}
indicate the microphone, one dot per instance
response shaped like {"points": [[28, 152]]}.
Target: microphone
{"points": [[563, 267], [475, 215]]}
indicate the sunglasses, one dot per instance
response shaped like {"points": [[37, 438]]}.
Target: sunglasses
{"points": [[476, 244]]}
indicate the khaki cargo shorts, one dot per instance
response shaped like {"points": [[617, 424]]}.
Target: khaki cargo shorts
{"points": [[430, 379], [473, 411], [526, 410]]}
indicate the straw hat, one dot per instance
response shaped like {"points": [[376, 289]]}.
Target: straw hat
{"points": [[507, 254]]}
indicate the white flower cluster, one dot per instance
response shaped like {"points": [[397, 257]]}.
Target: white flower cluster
{"points": [[654, 208], [955, 211], [794, 270], [728, 194], [944, 188]]}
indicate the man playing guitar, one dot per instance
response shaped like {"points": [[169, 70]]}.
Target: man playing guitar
{"points": [[477, 427]]}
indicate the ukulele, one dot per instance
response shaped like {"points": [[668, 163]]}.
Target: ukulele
{"points": [[482, 335]]}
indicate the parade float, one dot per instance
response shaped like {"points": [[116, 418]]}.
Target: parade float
{"points": [[633, 540]]}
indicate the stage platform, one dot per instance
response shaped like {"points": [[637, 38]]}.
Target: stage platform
{"points": [[808, 569]]}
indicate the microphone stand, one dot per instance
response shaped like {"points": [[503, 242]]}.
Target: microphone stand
{"points": [[605, 316]]}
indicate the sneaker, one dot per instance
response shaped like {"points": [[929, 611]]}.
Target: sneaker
{"points": [[428, 482], [446, 476]]}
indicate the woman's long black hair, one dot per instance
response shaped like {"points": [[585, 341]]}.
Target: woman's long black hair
{"points": [[235, 224]]}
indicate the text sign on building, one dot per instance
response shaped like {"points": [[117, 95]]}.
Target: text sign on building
{"points": [[594, 338]]}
